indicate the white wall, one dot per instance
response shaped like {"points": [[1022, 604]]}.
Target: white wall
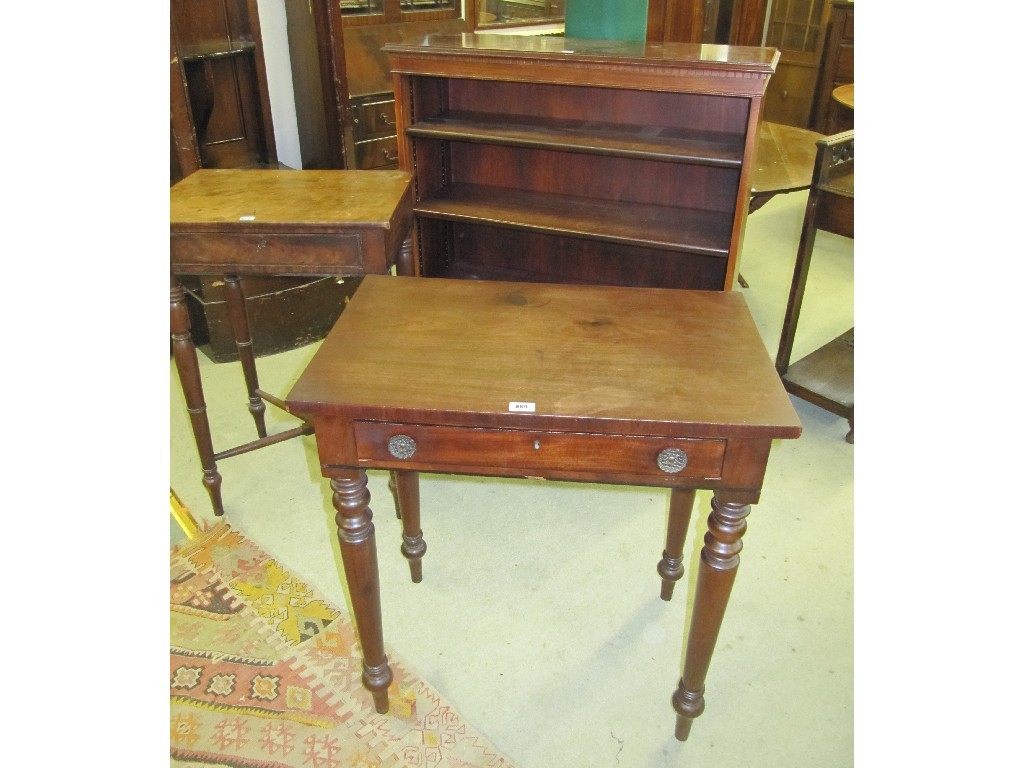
{"points": [[274, 30]]}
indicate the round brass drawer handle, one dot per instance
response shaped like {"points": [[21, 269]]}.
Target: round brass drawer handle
{"points": [[401, 446], [672, 460]]}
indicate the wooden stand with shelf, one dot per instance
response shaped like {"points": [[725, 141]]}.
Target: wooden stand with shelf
{"points": [[825, 376], [584, 161]]}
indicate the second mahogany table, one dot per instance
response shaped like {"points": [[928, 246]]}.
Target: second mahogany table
{"points": [[785, 161], [267, 222], [636, 386]]}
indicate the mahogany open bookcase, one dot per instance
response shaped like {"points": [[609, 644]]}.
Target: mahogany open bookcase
{"points": [[553, 159]]}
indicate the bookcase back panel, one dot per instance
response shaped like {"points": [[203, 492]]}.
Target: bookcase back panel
{"points": [[611, 105], [610, 178], [490, 252]]}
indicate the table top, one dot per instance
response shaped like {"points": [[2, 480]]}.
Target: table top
{"points": [[785, 158], [844, 95], [594, 358], [254, 199]]}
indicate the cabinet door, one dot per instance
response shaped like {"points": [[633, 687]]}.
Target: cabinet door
{"points": [[797, 29]]}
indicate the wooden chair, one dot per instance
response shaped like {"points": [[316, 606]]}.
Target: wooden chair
{"points": [[824, 377]]}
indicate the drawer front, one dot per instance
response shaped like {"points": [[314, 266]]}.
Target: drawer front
{"points": [[465, 449], [377, 153], [373, 118], [268, 254]]}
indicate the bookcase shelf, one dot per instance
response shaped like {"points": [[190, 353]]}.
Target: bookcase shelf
{"points": [[681, 145], [656, 226]]}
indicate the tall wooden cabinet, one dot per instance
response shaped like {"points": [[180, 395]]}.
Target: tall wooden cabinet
{"points": [[342, 80], [836, 69], [345, 106], [797, 29], [564, 160]]}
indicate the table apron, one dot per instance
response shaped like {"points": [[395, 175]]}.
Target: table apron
{"points": [[734, 463], [535, 450], [281, 254]]}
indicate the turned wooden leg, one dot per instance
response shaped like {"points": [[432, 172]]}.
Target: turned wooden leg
{"points": [[407, 486], [243, 341], [808, 235], [187, 363], [680, 508], [359, 556], [719, 560], [393, 487]]}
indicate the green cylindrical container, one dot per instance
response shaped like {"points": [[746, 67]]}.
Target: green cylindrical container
{"points": [[606, 19]]}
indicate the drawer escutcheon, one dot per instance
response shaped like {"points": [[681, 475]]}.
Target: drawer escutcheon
{"points": [[672, 460], [401, 446]]}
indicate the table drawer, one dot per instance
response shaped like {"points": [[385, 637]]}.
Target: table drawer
{"points": [[296, 254], [376, 153], [373, 118], [466, 449]]}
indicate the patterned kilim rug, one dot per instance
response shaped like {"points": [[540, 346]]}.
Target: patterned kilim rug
{"points": [[266, 674]]}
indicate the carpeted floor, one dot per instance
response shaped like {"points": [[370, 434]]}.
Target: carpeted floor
{"points": [[265, 672]]}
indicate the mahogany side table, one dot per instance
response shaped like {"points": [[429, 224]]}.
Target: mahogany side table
{"points": [[273, 222], [637, 386]]}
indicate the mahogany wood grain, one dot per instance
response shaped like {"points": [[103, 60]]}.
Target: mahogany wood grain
{"points": [[658, 387], [576, 351]]}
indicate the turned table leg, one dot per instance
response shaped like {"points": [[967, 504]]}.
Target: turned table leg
{"points": [[393, 487], [407, 494], [680, 508], [243, 341], [187, 363], [359, 556], [719, 560]]}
